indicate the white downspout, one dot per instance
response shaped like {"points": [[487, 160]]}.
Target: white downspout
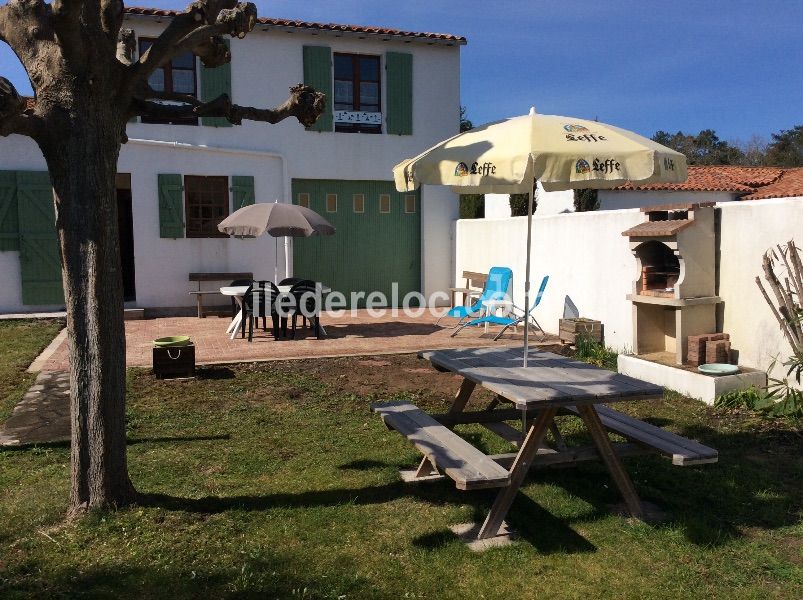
{"points": [[237, 151]]}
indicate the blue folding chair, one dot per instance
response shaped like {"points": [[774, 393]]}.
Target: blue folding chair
{"points": [[496, 288], [512, 320]]}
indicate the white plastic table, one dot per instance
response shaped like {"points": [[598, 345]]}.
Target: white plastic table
{"points": [[238, 293]]}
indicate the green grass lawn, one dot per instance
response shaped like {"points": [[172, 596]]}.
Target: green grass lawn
{"points": [[20, 342], [275, 481]]}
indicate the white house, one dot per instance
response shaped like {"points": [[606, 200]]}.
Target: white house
{"points": [[391, 94]]}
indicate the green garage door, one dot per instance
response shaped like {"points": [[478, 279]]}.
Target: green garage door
{"points": [[378, 239]]}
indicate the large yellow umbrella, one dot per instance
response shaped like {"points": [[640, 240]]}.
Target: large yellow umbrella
{"points": [[563, 153]]}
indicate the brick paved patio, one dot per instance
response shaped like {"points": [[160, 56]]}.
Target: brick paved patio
{"points": [[358, 334]]}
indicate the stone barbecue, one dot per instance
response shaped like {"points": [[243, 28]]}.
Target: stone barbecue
{"points": [[674, 292]]}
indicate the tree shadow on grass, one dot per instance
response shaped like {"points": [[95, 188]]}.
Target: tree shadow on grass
{"points": [[266, 574]]}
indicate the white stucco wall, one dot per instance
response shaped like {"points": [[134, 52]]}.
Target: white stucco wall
{"points": [[584, 254], [264, 66], [614, 200], [589, 262], [748, 230]]}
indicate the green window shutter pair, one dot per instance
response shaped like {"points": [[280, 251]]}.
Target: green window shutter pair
{"points": [[215, 82], [399, 69], [171, 206], [318, 74], [171, 201], [9, 223]]}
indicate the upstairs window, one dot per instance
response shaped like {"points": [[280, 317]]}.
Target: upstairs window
{"points": [[178, 76], [357, 86]]}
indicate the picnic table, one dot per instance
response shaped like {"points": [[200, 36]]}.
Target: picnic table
{"points": [[550, 385]]}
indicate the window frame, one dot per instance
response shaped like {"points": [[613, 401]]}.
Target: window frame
{"points": [[407, 199], [302, 199], [362, 203], [356, 80], [168, 85], [190, 183], [389, 199], [326, 201]]}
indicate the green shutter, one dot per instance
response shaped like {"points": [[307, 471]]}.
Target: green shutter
{"points": [[171, 206], [318, 74], [9, 231], [242, 191], [399, 68], [40, 257], [215, 82]]}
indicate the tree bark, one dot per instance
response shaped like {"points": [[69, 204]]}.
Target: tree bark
{"points": [[86, 219]]}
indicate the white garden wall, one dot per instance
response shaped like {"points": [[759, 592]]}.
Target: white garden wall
{"points": [[591, 267]]}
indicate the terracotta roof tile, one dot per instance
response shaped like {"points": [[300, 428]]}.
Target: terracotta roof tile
{"points": [[709, 179], [334, 27], [751, 183], [788, 185]]}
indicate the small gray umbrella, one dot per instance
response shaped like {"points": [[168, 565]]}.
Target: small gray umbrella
{"points": [[278, 220]]}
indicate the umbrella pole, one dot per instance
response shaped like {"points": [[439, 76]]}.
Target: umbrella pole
{"points": [[287, 250], [527, 275], [276, 261]]}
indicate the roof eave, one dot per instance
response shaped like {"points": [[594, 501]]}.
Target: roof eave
{"points": [[382, 36]]}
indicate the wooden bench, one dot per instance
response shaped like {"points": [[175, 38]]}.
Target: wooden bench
{"points": [[475, 283], [208, 277], [448, 452], [683, 451]]}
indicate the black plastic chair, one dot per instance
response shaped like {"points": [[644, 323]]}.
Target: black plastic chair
{"points": [[290, 281], [260, 301], [305, 303]]}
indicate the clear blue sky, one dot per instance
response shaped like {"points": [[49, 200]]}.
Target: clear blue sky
{"points": [[730, 65]]}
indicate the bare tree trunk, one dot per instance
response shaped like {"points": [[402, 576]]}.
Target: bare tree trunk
{"points": [[86, 211]]}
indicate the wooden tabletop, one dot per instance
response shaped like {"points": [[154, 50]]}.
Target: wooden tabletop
{"points": [[548, 380]]}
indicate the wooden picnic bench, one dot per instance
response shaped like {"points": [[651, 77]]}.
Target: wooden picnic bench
{"points": [[550, 385], [210, 277]]}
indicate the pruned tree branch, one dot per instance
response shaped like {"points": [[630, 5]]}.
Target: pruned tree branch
{"points": [[198, 30], [66, 20], [111, 17], [13, 118], [126, 46], [304, 103]]}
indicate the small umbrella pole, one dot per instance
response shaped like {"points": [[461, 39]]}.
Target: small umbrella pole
{"points": [[287, 249], [276, 261], [527, 274]]}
